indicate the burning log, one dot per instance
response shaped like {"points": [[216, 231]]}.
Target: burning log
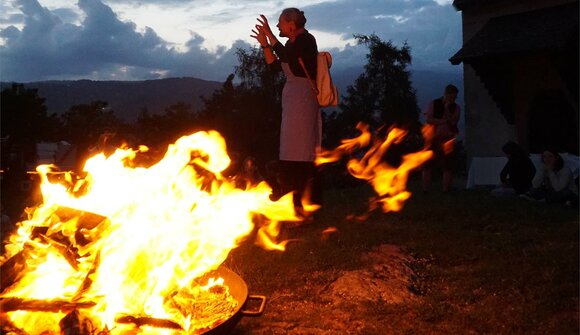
{"points": [[147, 321], [87, 282], [166, 225], [13, 269], [68, 252], [16, 266], [75, 323], [86, 220], [7, 327], [10, 304]]}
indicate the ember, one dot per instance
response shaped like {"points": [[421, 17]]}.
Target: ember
{"points": [[207, 305]]}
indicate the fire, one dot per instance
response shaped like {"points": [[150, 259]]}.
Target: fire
{"points": [[126, 245], [448, 146], [388, 182], [122, 239]]}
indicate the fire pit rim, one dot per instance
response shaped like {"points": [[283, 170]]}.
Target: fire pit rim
{"points": [[238, 289]]}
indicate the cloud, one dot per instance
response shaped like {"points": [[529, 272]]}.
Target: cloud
{"points": [[101, 47], [93, 41], [432, 30]]}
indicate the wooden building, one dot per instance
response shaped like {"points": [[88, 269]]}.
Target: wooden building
{"points": [[520, 60]]}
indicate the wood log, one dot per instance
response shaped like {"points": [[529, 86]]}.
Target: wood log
{"points": [[87, 220], [75, 323], [38, 230], [12, 270], [16, 266], [87, 281], [147, 321], [10, 304], [7, 327], [69, 253]]}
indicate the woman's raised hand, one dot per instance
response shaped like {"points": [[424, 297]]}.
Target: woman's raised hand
{"points": [[259, 35], [265, 25], [262, 30]]}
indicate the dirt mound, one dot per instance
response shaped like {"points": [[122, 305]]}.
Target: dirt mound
{"points": [[387, 279], [340, 302]]}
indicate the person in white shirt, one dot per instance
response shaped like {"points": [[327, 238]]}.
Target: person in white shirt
{"points": [[554, 181]]}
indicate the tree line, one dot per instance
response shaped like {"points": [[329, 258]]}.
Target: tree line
{"points": [[247, 112]]}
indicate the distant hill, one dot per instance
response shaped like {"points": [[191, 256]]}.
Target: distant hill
{"points": [[126, 98]]}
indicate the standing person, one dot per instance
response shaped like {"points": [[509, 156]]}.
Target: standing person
{"points": [[517, 174], [554, 182], [301, 127], [443, 113]]}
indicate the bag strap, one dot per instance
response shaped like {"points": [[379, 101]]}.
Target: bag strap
{"points": [[312, 83]]}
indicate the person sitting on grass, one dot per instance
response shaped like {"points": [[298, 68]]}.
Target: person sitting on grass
{"points": [[517, 174], [554, 182]]}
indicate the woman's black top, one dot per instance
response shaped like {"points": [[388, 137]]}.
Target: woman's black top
{"points": [[304, 46]]}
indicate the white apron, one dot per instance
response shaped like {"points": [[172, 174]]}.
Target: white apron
{"points": [[301, 129]]}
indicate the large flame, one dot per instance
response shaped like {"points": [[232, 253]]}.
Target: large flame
{"points": [[389, 182], [124, 237]]}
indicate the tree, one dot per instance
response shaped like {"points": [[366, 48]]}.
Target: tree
{"points": [[25, 122], [255, 74], [160, 130], [85, 124], [382, 95], [248, 114]]}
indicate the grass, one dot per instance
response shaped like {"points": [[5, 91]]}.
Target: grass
{"points": [[484, 265]]}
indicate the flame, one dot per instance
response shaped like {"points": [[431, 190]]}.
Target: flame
{"points": [[327, 232], [120, 242], [388, 182], [124, 237], [448, 146]]}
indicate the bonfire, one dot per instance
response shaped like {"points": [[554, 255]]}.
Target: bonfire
{"points": [[126, 249]]}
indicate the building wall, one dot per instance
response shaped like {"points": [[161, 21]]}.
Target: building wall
{"points": [[486, 129], [532, 75]]}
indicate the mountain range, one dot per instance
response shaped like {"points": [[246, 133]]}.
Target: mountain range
{"points": [[126, 98], [129, 98]]}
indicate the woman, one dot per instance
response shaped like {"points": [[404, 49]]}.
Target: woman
{"points": [[300, 132], [554, 183]]}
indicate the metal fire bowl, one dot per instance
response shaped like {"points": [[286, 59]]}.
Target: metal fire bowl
{"points": [[239, 291]]}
